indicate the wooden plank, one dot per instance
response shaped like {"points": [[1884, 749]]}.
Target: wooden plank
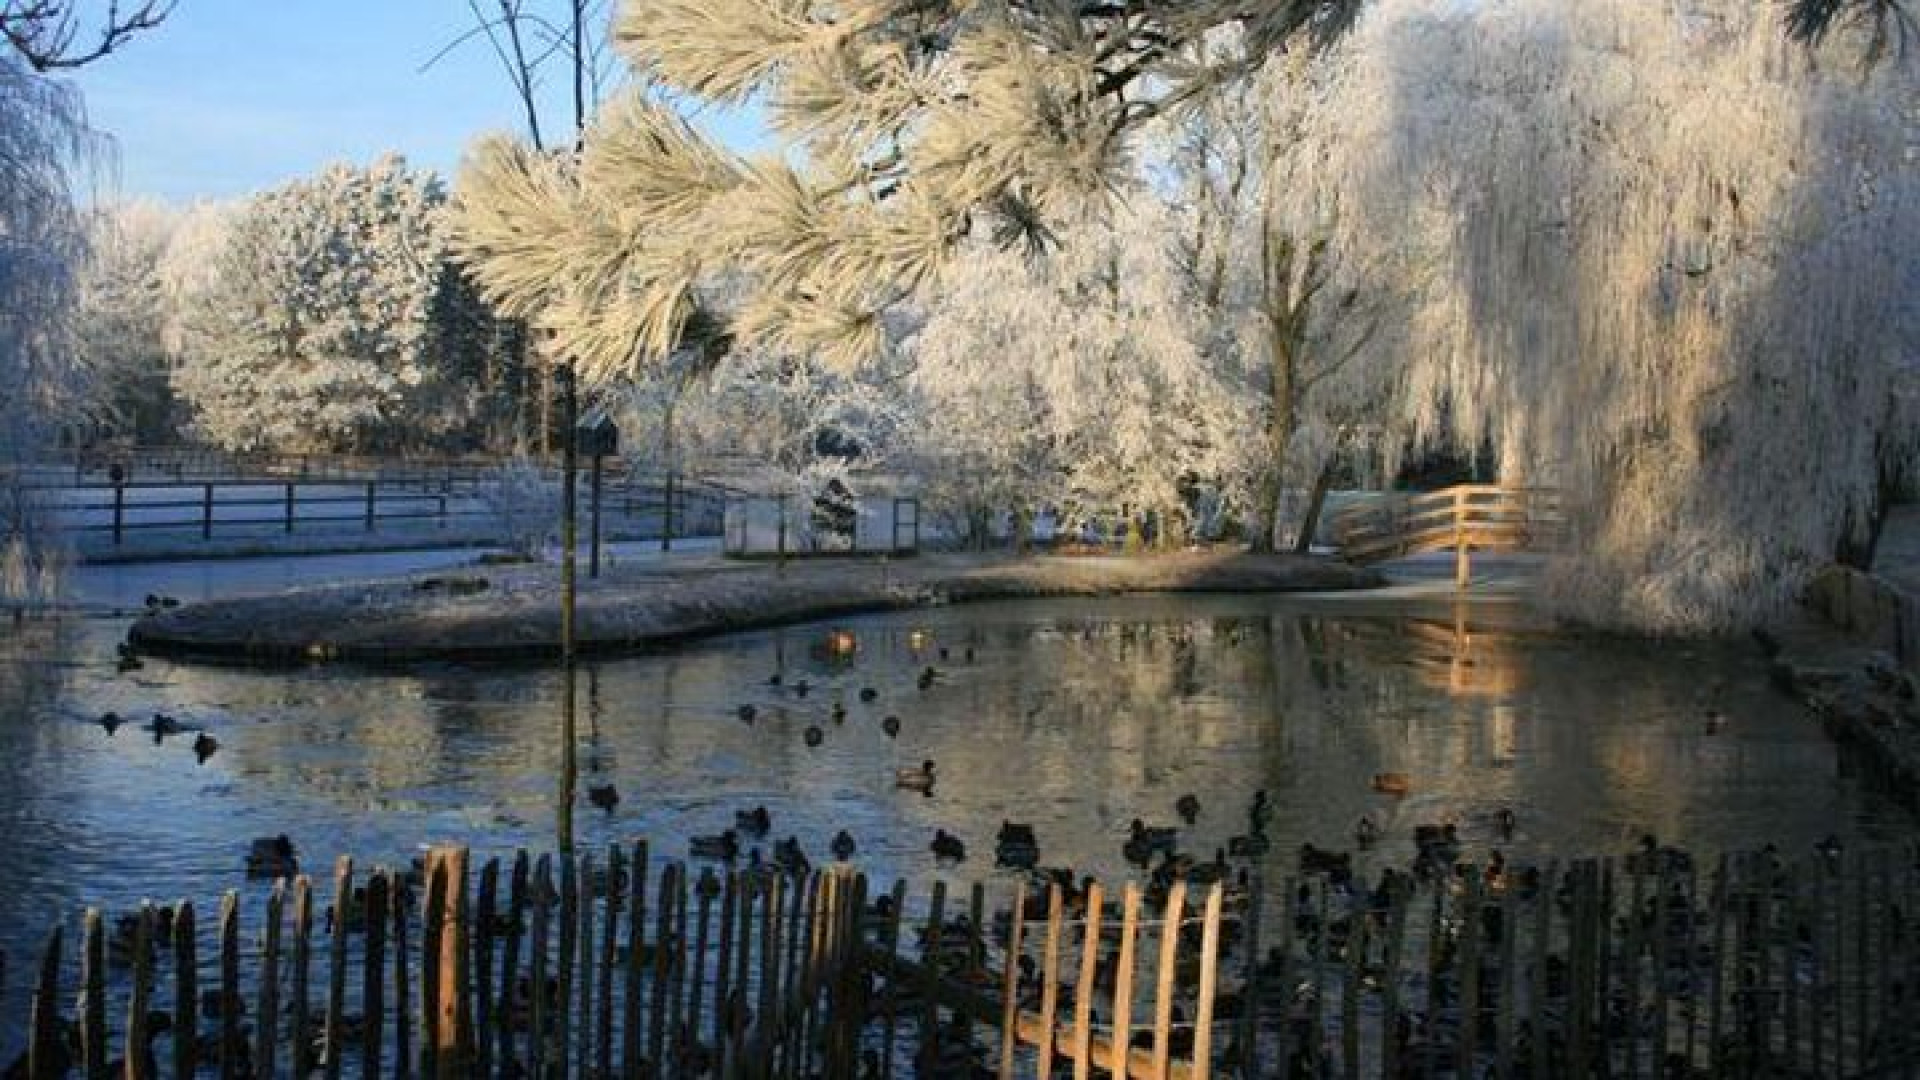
{"points": [[46, 1047], [1539, 983], [231, 1049], [1049, 981], [373, 975], [1209, 983], [1468, 965], [432, 989], [539, 1021], [1508, 1009], [933, 937], [1124, 973], [507, 999], [1722, 894], [334, 1034], [1350, 997], [452, 1017], [266, 1025], [663, 936], [618, 879], [583, 966], [301, 1051], [707, 889], [485, 918], [1863, 962], [186, 993], [93, 996], [676, 982], [1398, 900], [399, 902], [1662, 963], [568, 932], [772, 941], [139, 1056], [1170, 920], [1251, 988], [633, 1046], [1083, 990], [1010, 982], [820, 910]]}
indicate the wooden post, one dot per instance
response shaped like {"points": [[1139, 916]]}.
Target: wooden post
{"points": [[538, 1020], [1083, 990], [337, 964], [374, 976], [617, 879], [46, 1049], [633, 1050], [370, 500], [289, 508], [139, 1057], [399, 901], [1209, 979], [186, 993], [1123, 982], [302, 1051], [451, 1035], [1049, 982], [485, 919], [1462, 561], [206, 512], [266, 1024], [1170, 920], [932, 942], [93, 996], [1010, 984], [231, 1067]]}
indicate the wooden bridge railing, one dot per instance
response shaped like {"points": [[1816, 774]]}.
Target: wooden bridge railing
{"points": [[1463, 518], [1647, 966]]}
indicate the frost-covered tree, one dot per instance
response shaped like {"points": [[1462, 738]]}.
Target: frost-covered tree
{"points": [[909, 124], [316, 330], [1112, 405], [1677, 273], [123, 322], [45, 145]]}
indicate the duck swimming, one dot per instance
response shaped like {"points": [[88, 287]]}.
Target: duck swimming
{"points": [[948, 846], [604, 796], [1188, 807], [272, 857], [843, 846], [814, 735], [754, 822], [110, 722], [204, 746], [868, 694], [747, 713], [1366, 833], [725, 845], [920, 779], [891, 725]]}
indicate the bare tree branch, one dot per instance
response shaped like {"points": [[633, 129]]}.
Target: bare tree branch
{"points": [[46, 33]]}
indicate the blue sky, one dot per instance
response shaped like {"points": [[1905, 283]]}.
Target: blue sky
{"points": [[232, 96]]}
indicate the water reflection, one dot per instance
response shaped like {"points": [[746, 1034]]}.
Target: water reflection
{"points": [[1074, 716]]}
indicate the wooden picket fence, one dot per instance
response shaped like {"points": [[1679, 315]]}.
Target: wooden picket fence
{"points": [[554, 967]]}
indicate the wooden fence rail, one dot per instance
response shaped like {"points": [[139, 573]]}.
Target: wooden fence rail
{"points": [[1463, 518], [590, 966]]}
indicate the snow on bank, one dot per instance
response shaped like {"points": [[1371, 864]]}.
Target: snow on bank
{"points": [[506, 614]]}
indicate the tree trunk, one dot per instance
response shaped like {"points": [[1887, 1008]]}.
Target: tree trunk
{"points": [[1281, 420], [1310, 522]]}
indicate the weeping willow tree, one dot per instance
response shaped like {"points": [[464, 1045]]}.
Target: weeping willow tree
{"points": [[44, 144], [1676, 272]]}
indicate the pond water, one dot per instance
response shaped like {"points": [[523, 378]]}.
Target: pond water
{"points": [[1075, 716]]}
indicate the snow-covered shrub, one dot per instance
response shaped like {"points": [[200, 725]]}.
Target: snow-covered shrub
{"points": [[526, 502]]}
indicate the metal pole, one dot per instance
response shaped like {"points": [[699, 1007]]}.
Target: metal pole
{"points": [[569, 572], [593, 553]]}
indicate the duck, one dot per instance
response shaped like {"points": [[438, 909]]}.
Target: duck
{"points": [[746, 713], [968, 655], [868, 695], [272, 857], [1261, 812], [1315, 860], [1016, 846], [814, 735], [1438, 840], [788, 857], [843, 846], [920, 779], [1143, 843], [1504, 822], [1366, 833], [604, 796], [948, 846], [1188, 808], [929, 676], [839, 713], [1652, 858], [1392, 783], [725, 845], [205, 746], [891, 725], [1250, 846], [775, 679], [754, 822], [110, 723], [801, 688]]}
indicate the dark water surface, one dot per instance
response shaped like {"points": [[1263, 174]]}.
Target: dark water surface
{"points": [[1075, 716]]}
